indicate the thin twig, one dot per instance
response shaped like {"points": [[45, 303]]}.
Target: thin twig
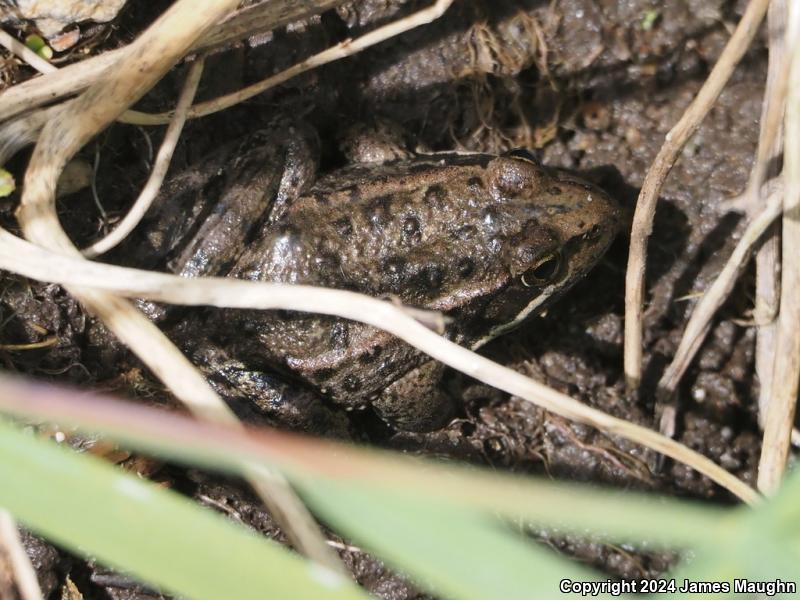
{"points": [[38, 263], [29, 56], [786, 370], [160, 167], [23, 571], [24, 130], [768, 256], [144, 63], [341, 50], [646, 204], [51, 340], [700, 322], [76, 77]]}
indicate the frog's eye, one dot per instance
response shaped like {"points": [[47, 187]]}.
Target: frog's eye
{"points": [[524, 154], [543, 272]]}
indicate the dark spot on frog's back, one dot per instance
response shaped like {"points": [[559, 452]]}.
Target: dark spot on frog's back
{"points": [[436, 196], [370, 356], [466, 267], [411, 230], [432, 276], [344, 227], [554, 190], [475, 184]]}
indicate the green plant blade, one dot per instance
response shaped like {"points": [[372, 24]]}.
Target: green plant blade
{"points": [[449, 551], [613, 515], [151, 533], [761, 545]]}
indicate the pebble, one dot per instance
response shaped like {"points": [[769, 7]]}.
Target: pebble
{"points": [[52, 16]]}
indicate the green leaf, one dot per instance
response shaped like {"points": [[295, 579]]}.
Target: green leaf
{"points": [[154, 534], [649, 19], [761, 544], [38, 45], [7, 183], [449, 551]]}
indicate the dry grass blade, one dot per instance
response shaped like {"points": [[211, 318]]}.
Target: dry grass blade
{"points": [[144, 63], [160, 167], [23, 571], [339, 51], [646, 204], [263, 16], [762, 218], [700, 321], [73, 78], [768, 256], [786, 367], [21, 257]]}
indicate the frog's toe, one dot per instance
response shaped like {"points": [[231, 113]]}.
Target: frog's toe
{"points": [[415, 402]]}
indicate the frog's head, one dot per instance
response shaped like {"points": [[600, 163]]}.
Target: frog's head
{"points": [[563, 226]]}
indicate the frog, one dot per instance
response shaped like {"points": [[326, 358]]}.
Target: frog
{"points": [[486, 240]]}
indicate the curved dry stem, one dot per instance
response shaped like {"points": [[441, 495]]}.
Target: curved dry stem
{"points": [[769, 155], [37, 263], [78, 76], [700, 322], [786, 365], [160, 167], [341, 50], [646, 204], [25, 130], [145, 62]]}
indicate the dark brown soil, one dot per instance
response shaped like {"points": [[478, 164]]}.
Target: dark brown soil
{"points": [[596, 93]]}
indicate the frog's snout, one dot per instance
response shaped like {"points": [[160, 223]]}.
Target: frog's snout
{"points": [[588, 204], [589, 219]]}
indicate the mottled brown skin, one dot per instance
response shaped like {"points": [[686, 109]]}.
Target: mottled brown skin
{"points": [[486, 240]]}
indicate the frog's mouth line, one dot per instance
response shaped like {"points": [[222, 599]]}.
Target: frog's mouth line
{"points": [[499, 330]]}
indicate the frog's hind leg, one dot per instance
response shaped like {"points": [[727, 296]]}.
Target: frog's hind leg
{"points": [[261, 396], [416, 402]]}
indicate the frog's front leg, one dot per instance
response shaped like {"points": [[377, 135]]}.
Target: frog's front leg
{"points": [[267, 171], [416, 401], [201, 223]]}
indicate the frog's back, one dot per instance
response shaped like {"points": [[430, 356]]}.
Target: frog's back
{"points": [[421, 230]]}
